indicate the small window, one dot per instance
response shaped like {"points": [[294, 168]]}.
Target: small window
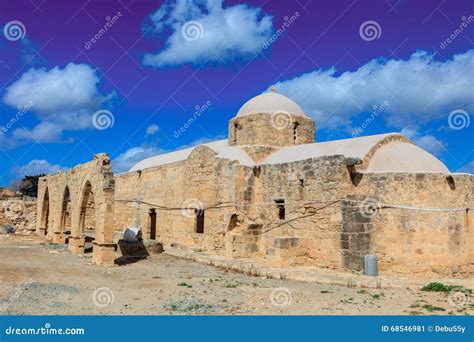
{"points": [[152, 224], [236, 127], [281, 209], [199, 220], [295, 132]]}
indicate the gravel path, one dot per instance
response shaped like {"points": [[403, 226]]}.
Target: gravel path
{"points": [[43, 279]]}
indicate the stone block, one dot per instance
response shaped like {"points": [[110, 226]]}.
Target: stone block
{"points": [[286, 242], [76, 245], [103, 254]]}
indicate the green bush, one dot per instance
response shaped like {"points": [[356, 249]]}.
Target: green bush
{"points": [[440, 287]]}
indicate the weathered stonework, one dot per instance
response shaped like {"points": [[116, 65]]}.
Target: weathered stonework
{"points": [[302, 212], [65, 207]]}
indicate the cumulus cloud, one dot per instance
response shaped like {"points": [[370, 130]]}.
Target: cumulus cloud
{"points": [[468, 168], [36, 167], [63, 99], [152, 129], [203, 30], [133, 155], [417, 89]]}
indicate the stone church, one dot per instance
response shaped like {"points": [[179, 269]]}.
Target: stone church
{"points": [[271, 192]]}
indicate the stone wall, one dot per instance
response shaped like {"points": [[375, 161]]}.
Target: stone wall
{"points": [[19, 212], [309, 190], [174, 191], [280, 129], [409, 237]]}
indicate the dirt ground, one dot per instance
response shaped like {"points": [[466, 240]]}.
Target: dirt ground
{"points": [[44, 279]]}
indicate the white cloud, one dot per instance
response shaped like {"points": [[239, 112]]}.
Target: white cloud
{"points": [[132, 156], [427, 142], [36, 167], [63, 99], [152, 129], [468, 168], [418, 88], [212, 33]]}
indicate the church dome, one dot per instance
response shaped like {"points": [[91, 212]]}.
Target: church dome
{"points": [[271, 102]]}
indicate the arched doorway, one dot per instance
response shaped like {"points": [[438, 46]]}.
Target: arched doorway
{"points": [[87, 219], [66, 214], [44, 219]]}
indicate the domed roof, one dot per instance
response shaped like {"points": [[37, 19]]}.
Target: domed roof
{"points": [[270, 103]]}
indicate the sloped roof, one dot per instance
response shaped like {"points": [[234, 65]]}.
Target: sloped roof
{"points": [[392, 156], [220, 146], [398, 156], [354, 147]]}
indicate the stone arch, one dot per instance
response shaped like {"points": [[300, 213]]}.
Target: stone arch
{"points": [[84, 217], [43, 222], [379, 144], [74, 190], [64, 209]]}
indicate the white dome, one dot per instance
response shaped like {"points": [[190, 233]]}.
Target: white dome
{"points": [[270, 103]]}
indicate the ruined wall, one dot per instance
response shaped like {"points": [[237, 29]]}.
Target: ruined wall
{"points": [[19, 212], [52, 190], [409, 240]]}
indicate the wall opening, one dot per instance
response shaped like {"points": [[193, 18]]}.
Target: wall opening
{"points": [[295, 132], [152, 224], [281, 208], [236, 128], [301, 188], [45, 212], [87, 219], [233, 222], [199, 220], [66, 212]]}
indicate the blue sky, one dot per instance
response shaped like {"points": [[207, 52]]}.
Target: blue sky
{"points": [[80, 78]]}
